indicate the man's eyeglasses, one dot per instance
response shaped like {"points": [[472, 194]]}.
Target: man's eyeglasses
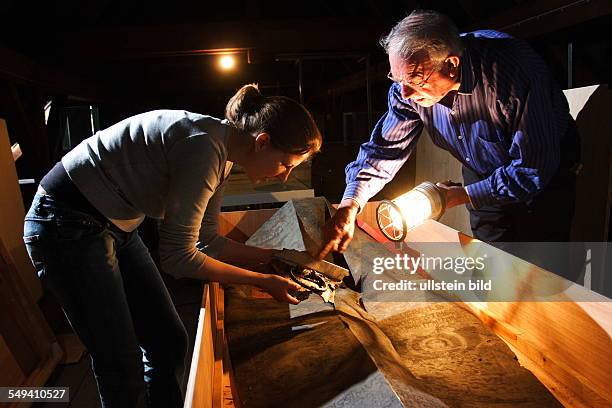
{"points": [[411, 82]]}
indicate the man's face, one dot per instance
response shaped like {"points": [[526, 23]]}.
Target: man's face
{"points": [[421, 81]]}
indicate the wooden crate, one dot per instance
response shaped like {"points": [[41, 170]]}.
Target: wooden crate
{"points": [[29, 351], [566, 344]]}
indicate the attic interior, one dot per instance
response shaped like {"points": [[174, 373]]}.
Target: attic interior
{"points": [[120, 59], [69, 69]]}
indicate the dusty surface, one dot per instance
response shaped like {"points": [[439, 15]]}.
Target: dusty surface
{"points": [[431, 354], [460, 361], [300, 356]]}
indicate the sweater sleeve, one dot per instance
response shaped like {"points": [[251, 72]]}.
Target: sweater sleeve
{"points": [[210, 242], [195, 165]]}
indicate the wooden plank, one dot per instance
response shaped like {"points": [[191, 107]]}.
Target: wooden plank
{"points": [[230, 394], [12, 213], [588, 105], [198, 39], [435, 164], [240, 225], [566, 339], [190, 391], [16, 335], [21, 305], [11, 373], [72, 348], [77, 377], [239, 189], [86, 394], [30, 326], [206, 390], [27, 120], [217, 334], [566, 344], [532, 18], [21, 69]]}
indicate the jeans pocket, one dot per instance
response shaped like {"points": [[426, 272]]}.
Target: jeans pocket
{"points": [[77, 229]]}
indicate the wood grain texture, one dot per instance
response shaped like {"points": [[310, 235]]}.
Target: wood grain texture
{"points": [[565, 344], [567, 341], [11, 373], [240, 225], [72, 347], [199, 389], [12, 213], [435, 164], [209, 378], [25, 332]]}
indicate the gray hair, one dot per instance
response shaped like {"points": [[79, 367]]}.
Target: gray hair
{"points": [[424, 31]]}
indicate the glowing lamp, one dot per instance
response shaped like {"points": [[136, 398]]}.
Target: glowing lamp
{"points": [[396, 217], [227, 62]]}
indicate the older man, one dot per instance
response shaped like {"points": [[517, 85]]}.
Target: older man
{"points": [[490, 101]]}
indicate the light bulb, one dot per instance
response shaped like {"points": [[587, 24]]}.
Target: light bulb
{"points": [[227, 62], [415, 207], [395, 218]]}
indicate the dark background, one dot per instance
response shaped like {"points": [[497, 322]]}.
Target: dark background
{"points": [[94, 63]]}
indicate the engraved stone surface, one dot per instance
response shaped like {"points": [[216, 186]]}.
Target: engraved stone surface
{"points": [[432, 354]]}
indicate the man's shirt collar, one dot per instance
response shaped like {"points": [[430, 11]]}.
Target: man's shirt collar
{"points": [[468, 79]]}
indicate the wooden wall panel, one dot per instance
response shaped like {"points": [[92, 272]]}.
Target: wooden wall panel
{"points": [[210, 367], [11, 373], [435, 164], [12, 213], [591, 107], [25, 332], [239, 225]]}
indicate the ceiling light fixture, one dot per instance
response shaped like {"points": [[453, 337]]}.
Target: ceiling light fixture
{"points": [[227, 62]]}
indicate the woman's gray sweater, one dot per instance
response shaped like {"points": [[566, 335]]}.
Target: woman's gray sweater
{"points": [[165, 164]]}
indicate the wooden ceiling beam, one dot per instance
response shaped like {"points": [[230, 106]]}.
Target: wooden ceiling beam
{"points": [[19, 69], [530, 19], [527, 19], [326, 34]]}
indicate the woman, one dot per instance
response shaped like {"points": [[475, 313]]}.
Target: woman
{"points": [[81, 231]]}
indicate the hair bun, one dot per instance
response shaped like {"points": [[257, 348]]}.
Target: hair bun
{"points": [[246, 101], [252, 99]]}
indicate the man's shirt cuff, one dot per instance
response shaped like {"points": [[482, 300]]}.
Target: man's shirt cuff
{"points": [[356, 192], [480, 193]]}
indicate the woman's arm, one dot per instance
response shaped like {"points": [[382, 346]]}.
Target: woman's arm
{"points": [[195, 166], [242, 254], [223, 248], [277, 286]]}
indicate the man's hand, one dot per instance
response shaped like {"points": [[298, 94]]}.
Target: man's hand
{"points": [[338, 231], [279, 288], [455, 193]]}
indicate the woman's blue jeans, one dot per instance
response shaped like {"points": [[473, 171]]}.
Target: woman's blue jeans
{"points": [[116, 301]]}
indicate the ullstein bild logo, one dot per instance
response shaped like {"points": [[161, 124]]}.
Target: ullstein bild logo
{"points": [[411, 264]]}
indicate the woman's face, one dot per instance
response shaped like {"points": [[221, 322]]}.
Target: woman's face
{"points": [[267, 162]]}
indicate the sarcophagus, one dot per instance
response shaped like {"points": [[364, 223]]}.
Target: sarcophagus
{"points": [[419, 348]]}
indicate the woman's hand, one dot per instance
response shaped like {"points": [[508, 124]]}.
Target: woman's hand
{"points": [[279, 288], [275, 285]]}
